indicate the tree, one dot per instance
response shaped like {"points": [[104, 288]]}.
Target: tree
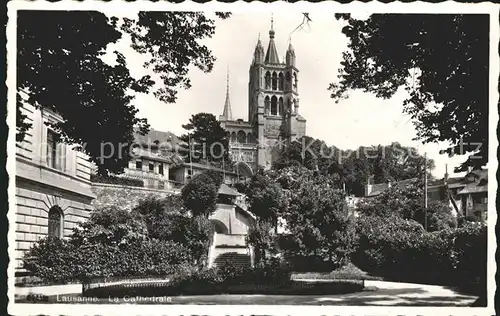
{"points": [[264, 241], [441, 60], [265, 198], [407, 202], [318, 220], [60, 68], [200, 194], [206, 140]]}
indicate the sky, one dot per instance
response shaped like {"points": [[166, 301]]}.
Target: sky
{"points": [[361, 120]]}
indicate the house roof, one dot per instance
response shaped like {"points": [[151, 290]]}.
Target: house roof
{"points": [[226, 190], [473, 188], [155, 137]]}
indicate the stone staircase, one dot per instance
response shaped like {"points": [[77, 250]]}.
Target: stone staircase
{"points": [[238, 259], [231, 248]]}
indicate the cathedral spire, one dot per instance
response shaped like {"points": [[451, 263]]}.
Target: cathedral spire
{"points": [[272, 53], [227, 113]]}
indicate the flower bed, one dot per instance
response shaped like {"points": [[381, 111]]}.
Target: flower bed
{"points": [[270, 280]]}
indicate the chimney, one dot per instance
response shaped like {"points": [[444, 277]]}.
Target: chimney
{"points": [[446, 174]]}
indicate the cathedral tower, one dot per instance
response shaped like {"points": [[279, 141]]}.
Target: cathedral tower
{"points": [[273, 109]]}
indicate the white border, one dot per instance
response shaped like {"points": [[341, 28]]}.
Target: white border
{"points": [[241, 7]]}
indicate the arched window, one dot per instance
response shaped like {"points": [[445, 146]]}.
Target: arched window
{"points": [[267, 105], [274, 106], [275, 81], [281, 112], [55, 222], [288, 81], [281, 81], [268, 80], [233, 137], [242, 137], [295, 80]]}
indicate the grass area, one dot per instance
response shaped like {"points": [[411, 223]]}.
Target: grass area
{"points": [[348, 272]]}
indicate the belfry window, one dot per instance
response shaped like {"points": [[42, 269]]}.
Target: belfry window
{"points": [[275, 81], [268, 80], [267, 105], [274, 106], [281, 82]]}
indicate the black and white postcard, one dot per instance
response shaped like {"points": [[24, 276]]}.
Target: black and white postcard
{"points": [[252, 158]]}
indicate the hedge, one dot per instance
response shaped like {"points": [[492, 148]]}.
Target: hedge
{"points": [[399, 250]]}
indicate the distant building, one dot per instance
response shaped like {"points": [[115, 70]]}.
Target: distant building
{"points": [[184, 172], [473, 194], [273, 110], [155, 154], [468, 196], [53, 189]]}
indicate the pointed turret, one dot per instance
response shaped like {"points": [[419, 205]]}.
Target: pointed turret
{"points": [[272, 53], [258, 56], [290, 55], [227, 113]]}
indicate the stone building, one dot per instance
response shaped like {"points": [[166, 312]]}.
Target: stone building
{"points": [[154, 154], [273, 110], [52, 180]]}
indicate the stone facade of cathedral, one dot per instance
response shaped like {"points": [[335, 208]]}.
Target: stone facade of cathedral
{"points": [[273, 110]]}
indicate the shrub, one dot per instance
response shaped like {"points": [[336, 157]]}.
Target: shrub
{"points": [[50, 260], [165, 220], [401, 250]]}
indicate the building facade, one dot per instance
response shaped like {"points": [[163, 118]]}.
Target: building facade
{"points": [[53, 189], [154, 154], [273, 110]]}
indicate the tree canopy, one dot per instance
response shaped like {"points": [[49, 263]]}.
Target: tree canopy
{"points": [[200, 194], [441, 60], [206, 140], [60, 68], [353, 168]]}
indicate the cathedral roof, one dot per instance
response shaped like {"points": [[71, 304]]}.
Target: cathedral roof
{"points": [[272, 53]]}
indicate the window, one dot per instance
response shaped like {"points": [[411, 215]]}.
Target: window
{"points": [[151, 167], [56, 151], [275, 81], [160, 168], [274, 106], [55, 222], [138, 164]]}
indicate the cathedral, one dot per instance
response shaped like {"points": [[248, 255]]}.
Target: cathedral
{"points": [[273, 110]]}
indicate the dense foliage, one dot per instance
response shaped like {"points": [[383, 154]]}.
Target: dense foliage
{"points": [[407, 202], [200, 194], [442, 62], [206, 140], [167, 220], [400, 249], [261, 236], [265, 198], [158, 237], [61, 67], [318, 221], [352, 169]]}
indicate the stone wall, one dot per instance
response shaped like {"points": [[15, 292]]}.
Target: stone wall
{"points": [[125, 197], [33, 202]]}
